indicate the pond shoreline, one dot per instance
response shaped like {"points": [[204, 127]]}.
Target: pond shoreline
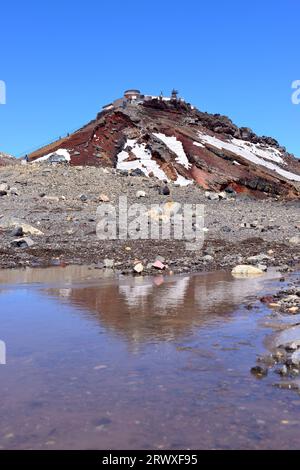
{"points": [[90, 354]]}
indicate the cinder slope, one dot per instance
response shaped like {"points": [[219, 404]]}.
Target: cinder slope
{"points": [[174, 141]]}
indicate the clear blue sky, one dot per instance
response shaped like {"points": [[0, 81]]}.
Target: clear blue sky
{"points": [[62, 60]]}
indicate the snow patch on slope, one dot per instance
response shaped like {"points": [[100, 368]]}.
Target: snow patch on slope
{"points": [[252, 153], [61, 152], [197, 144], [182, 181], [268, 153], [176, 147], [144, 162]]}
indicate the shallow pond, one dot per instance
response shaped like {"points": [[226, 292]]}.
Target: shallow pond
{"points": [[98, 362]]}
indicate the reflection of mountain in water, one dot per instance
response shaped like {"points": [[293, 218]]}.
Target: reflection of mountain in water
{"points": [[160, 308]]}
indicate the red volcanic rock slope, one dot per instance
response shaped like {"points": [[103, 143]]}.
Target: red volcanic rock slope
{"points": [[169, 139]]}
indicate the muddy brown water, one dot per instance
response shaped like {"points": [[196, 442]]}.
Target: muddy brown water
{"points": [[99, 362]]}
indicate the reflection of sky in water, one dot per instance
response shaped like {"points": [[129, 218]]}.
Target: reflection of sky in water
{"points": [[137, 293], [222, 288], [143, 309]]}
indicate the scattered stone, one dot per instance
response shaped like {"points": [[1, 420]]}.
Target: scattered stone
{"points": [[15, 223], [245, 225], [295, 240], [30, 230], [292, 347], [267, 299], [140, 194], [138, 268], [162, 259], [158, 265], [223, 195], [83, 198], [165, 191], [230, 191], [232, 259], [137, 172], [51, 198], [17, 232], [268, 360], [258, 258], [25, 242], [295, 358], [259, 371], [279, 355], [262, 267], [122, 172], [109, 263], [103, 198], [290, 298], [207, 258], [4, 188], [283, 370], [14, 192], [246, 270], [211, 196]]}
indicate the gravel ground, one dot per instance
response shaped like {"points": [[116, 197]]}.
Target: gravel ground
{"points": [[282, 360], [62, 201]]}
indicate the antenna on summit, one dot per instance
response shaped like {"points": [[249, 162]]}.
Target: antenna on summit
{"points": [[174, 95]]}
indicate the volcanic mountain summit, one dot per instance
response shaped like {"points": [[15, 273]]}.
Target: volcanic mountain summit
{"points": [[168, 138]]}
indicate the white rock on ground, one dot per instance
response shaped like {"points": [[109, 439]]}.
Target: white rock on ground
{"points": [[295, 240], [246, 270]]}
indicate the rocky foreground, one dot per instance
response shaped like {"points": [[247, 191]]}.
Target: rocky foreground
{"points": [[48, 217], [283, 356]]}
